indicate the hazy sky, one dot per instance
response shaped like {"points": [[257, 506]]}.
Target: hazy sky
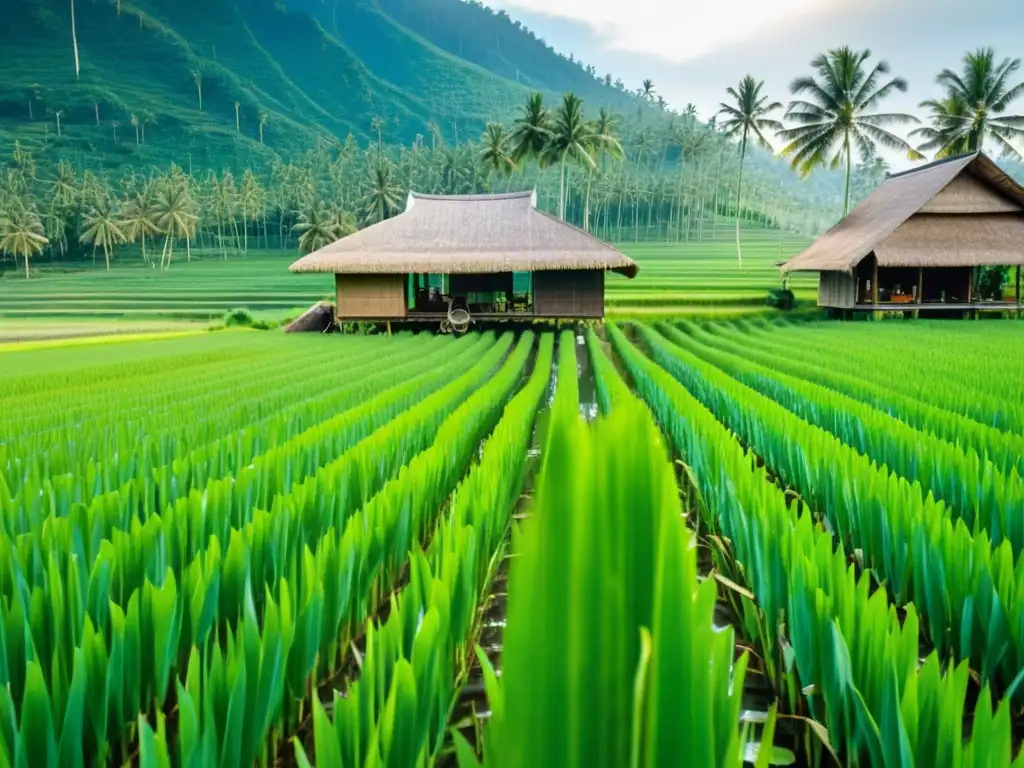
{"points": [[693, 49]]}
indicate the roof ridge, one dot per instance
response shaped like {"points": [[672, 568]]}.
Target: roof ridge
{"points": [[474, 197], [932, 164]]}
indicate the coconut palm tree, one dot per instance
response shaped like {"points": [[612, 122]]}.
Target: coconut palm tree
{"points": [[749, 115], [58, 114], [944, 132], [21, 233], [74, 45], [264, 119], [383, 196], [495, 153], [175, 220], [102, 227], [135, 125], [604, 143], [251, 201], [572, 137], [833, 118], [531, 130], [145, 118], [64, 187], [647, 90], [197, 78], [317, 226], [223, 204], [138, 215], [973, 109]]}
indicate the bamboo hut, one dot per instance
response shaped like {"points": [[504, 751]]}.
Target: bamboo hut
{"points": [[914, 244], [452, 258]]}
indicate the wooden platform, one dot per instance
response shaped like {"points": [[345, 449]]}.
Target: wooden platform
{"points": [[977, 306], [484, 317]]}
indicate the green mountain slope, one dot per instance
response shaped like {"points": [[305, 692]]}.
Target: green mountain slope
{"points": [[307, 71]]}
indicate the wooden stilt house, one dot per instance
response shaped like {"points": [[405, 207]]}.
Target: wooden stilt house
{"points": [[914, 244], [484, 257]]}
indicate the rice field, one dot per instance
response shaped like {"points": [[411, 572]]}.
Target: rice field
{"points": [[243, 548], [674, 279]]}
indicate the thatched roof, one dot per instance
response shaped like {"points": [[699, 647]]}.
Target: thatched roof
{"points": [[962, 211], [460, 234]]}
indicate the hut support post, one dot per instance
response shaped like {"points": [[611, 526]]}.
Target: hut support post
{"points": [[970, 292], [874, 290], [1017, 294], [920, 291]]}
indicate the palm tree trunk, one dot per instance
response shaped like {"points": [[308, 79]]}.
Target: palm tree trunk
{"points": [[188, 249], [586, 202], [163, 254], [561, 189], [26, 265], [106, 255], [220, 237], [739, 199], [145, 258], [718, 179], [74, 37], [846, 202]]}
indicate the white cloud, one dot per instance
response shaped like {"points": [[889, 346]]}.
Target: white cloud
{"points": [[673, 30]]}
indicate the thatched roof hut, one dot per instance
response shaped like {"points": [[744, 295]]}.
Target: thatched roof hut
{"points": [[463, 234], [477, 243], [924, 228]]}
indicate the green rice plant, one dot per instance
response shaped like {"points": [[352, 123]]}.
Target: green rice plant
{"points": [[967, 591], [969, 369], [610, 656], [827, 637], [376, 540], [611, 389], [217, 582], [166, 463], [420, 651], [372, 403], [568, 381], [1004, 449], [974, 489]]}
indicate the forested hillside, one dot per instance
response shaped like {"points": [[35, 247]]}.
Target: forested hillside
{"points": [[322, 114], [230, 82]]}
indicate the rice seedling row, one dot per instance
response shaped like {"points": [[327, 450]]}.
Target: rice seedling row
{"points": [[417, 660], [973, 488], [1004, 449], [260, 422], [131, 566], [299, 568], [830, 637], [970, 371], [967, 591]]}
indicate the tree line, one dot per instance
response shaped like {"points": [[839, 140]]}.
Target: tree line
{"points": [[620, 176], [623, 177]]}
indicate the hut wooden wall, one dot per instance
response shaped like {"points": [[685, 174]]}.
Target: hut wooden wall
{"points": [[569, 293], [837, 289], [371, 296]]}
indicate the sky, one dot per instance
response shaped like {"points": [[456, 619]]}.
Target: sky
{"points": [[694, 49]]}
